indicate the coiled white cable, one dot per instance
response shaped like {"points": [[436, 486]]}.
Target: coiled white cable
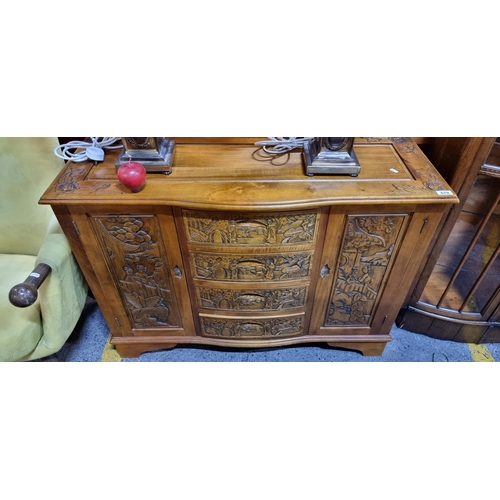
{"points": [[280, 145], [91, 151]]}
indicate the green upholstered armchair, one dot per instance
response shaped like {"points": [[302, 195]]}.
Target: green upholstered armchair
{"points": [[29, 237]]}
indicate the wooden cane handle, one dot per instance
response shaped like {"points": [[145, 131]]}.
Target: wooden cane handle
{"points": [[25, 294]]}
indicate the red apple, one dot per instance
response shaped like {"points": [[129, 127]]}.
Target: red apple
{"points": [[132, 175]]}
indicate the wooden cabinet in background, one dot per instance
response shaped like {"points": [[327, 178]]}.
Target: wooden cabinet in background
{"points": [[235, 248], [457, 296]]}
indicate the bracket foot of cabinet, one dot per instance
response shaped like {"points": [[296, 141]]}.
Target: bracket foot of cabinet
{"points": [[135, 349], [366, 349]]}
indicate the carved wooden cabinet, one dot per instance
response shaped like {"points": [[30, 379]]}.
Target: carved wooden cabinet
{"points": [[235, 248]]}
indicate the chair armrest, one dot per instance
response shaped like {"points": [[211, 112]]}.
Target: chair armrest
{"points": [[25, 294], [62, 296]]}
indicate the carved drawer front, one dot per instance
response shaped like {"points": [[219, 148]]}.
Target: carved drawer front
{"points": [[245, 266], [136, 257], [252, 267], [369, 247], [250, 229], [252, 299], [258, 328]]}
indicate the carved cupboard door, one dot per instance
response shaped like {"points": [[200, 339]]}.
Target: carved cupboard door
{"points": [[138, 264], [360, 261]]}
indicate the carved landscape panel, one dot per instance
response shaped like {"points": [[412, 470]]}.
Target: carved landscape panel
{"points": [[268, 299], [369, 247], [250, 229], [138, 260], [234, 267], [253, 328]]}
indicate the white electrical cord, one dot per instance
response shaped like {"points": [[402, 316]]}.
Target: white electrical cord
{"points": [[91, 151], [280, 145]]}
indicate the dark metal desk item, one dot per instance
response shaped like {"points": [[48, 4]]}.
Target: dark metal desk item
{"points": [[331, 155], [155, 153]]}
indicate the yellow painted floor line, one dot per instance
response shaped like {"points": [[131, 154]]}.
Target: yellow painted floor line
{"points": [[480, 352], [110, 354]]}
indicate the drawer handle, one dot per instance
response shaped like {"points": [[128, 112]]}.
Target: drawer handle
{"points": [[325, 271], [177, 272]]}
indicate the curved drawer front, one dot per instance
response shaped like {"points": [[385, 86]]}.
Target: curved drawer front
{"points": [[287, 326], [256, 268], [247, 229], [245, 299]]}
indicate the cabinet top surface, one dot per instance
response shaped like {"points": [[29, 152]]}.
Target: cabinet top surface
{"points": [[241, 176]]}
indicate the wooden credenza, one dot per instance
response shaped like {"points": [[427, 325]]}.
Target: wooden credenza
{"points": [[235, 248]]}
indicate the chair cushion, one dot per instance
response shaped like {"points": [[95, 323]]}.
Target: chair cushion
{"points": [[20, 328], [27, 168]]}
